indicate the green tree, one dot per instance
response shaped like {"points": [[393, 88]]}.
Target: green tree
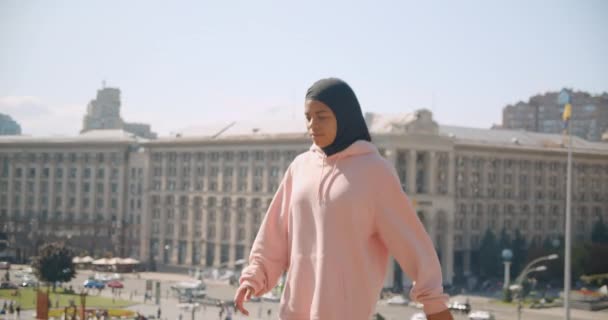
{"points": [[520, 252], [581, 260], [54, 264], [490, 253], [599, 233]]}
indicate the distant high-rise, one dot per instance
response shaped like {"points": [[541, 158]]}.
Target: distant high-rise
{"points": [[103, 113], [542, 114], [8, 126]]}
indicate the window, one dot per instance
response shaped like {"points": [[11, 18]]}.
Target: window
{"points": [[228, 172], [228, 155], [274, 155], [258, 155], [258, 172], [274, 172]]}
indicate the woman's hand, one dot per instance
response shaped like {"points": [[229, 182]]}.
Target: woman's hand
{"points": [[243, 294]]}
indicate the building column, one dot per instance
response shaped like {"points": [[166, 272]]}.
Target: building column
{"points": [[431, 225], [191, 231], [191, 211], [411, 171], [233, 238], [451, 174], [218, 237], [391, 156], [250, 173], [447, 252], [432, 170]]}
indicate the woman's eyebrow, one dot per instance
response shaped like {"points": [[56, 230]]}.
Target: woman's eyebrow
{"points": [[321, 111]]}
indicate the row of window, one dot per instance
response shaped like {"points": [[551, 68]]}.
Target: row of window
{"points": [[211, 232], [214, 171], [99, 157], [45, 215], [44, 187], [210, 201], [72, 173], [257, 155], [525, 165], [44, 201], [524, 209]]}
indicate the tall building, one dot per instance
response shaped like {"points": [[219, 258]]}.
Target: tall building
{"points": [[8, 126], [542, 114], [103, 113], [70, 189], [199, 200]]}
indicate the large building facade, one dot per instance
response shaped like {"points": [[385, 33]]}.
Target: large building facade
{"points": [[198, 201], [543, 114]]}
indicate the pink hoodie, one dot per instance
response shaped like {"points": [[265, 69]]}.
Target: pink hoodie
{"points": [[332, 225]]}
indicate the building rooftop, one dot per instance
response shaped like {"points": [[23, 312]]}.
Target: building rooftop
{"points": [[416, 123], [93, 136]]}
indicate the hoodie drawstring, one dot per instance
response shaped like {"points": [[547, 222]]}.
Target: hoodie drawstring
{"points": [[321, 195], [320, 191]]}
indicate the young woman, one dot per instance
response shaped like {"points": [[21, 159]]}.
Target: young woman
{"points": [[335, 219]]}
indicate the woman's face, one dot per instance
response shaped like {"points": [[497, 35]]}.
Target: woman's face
{"points": [[321, 123]]}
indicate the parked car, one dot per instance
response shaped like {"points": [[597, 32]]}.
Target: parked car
{"points": [[8, 285], [29, 282], [418, 316], [101, 277], [5, 265], [397, 300], [481, 315], [115, 284], [94, 284], [271, 297], [459, 307]]}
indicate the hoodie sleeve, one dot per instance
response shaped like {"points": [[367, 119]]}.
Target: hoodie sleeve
{"points": [[403, 234], [269, 253]]}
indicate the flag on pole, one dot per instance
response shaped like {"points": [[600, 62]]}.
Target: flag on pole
{"points": [[566, 115]]}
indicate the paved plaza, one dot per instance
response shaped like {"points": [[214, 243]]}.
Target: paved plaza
{"points": [[135, 285]]}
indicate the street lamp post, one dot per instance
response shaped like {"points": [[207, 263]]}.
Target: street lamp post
{"points": [[532, 263], [518, 286], [507, 255]]}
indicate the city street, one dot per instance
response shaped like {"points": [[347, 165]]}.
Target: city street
{"points": [[135, 288]]}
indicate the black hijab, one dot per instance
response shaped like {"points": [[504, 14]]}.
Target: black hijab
{"points": [[341, 99]]}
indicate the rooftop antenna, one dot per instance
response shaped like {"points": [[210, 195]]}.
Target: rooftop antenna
{"points": [[223, 130]]}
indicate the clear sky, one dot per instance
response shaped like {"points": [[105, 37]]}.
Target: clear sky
{"points": [[182, 64]]}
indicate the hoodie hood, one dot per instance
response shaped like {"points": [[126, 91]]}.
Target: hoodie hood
{"points": [[360, 147]]}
